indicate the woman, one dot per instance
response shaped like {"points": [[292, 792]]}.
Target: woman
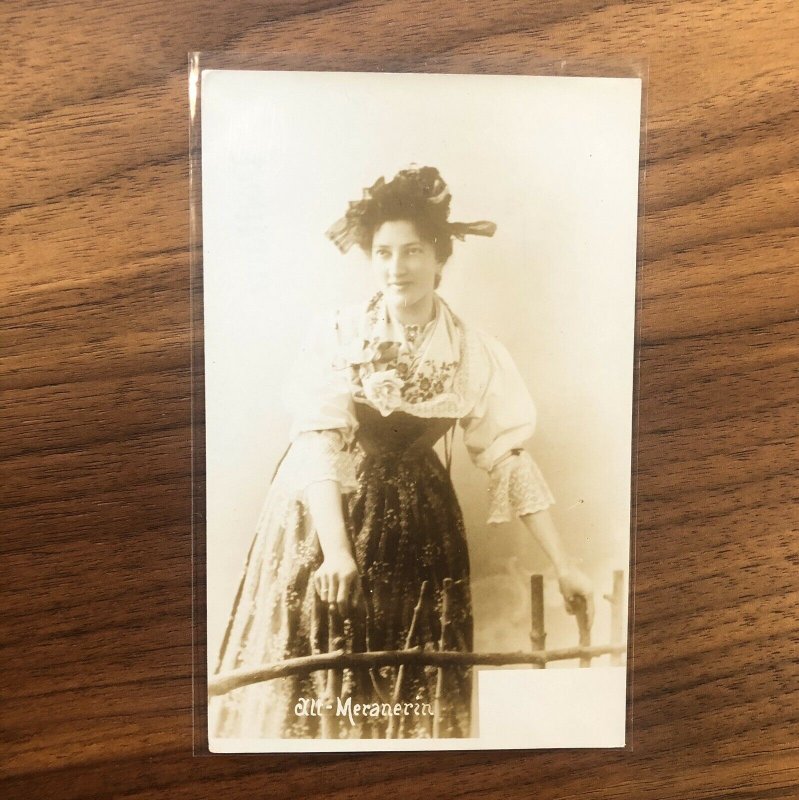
{"points": [[361, 543]]}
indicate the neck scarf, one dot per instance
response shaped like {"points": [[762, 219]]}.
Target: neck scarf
{"points": [[391, 374]]}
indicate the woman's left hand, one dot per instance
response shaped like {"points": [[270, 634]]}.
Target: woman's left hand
{"points": [[575, 585]]}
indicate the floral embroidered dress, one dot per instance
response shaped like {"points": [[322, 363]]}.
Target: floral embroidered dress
{"points": [[370, 398]]}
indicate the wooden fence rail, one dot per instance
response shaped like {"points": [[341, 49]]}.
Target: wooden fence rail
{"points": [[538, 657]]}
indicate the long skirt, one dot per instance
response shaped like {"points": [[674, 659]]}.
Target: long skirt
{"points": [[409, 543]]}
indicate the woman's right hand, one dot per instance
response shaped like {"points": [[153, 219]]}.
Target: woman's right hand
{"points": [[337, 581], [578, 592]]}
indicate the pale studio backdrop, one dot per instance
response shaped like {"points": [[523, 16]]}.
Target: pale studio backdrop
{"points": [[554, 162]]}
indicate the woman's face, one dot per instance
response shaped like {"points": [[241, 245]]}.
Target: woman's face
{"points": [[405, 265]]}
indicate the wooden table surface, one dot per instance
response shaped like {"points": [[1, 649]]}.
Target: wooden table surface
{"points": [[96, 588]]}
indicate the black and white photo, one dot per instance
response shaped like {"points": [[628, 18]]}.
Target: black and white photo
{"points": [[418, 330]]}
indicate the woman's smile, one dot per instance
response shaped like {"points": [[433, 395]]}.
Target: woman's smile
{"points": [[407, 268]]}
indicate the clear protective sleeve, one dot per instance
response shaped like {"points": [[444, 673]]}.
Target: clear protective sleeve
{"points": [[484, 456]]}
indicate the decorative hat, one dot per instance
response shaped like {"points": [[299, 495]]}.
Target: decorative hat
{"points": [[412, 190]]}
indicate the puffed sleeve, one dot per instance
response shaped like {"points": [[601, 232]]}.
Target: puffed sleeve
{"points": [[319, 399], [495, 430]]}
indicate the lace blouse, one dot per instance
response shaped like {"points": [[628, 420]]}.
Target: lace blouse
{"points": [[446, 369]]}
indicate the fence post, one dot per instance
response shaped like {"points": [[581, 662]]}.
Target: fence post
{"points": [[442, 645], [537, 633], [333, 677], [397, 693], [584, 629], [616, 615]]}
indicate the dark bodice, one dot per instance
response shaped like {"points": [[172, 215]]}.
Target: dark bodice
{"points": [[398, 432]]}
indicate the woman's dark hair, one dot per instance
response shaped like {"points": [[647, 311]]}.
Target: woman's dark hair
{"points": [[408, 196], [417, 195]]}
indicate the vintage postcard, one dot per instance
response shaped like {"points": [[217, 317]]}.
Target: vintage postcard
{"points": [[419, 296]]}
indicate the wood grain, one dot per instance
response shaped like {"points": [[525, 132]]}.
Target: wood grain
{"points": [[95, 469]]}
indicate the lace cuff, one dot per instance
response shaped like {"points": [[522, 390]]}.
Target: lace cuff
{"points": [[516, 487], [320, 456]]}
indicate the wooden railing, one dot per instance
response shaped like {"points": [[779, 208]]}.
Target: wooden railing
{"points": [[338, 659]]}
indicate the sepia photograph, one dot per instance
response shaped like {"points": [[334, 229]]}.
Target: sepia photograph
{"points": [[419, 311]]}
